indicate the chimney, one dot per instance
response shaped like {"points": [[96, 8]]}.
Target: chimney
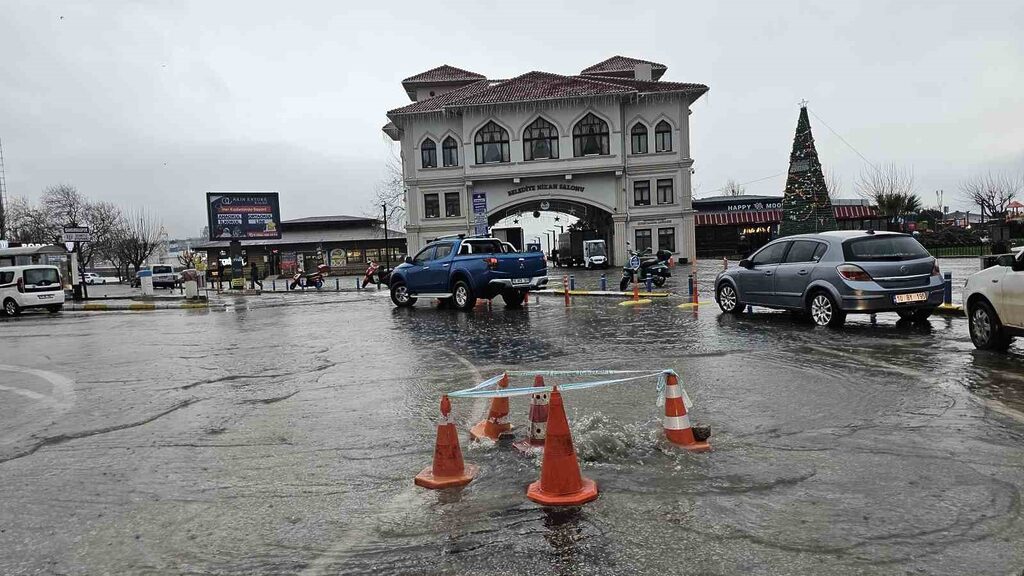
{"points": [[642, 72]]}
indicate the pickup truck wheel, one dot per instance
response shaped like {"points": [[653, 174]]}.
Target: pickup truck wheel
{"points": [[400, 295], [462, 296], [986, 329], [513, 298]]}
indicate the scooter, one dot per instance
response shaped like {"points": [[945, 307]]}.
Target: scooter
{"points": [[316, 279], [642, 265]]}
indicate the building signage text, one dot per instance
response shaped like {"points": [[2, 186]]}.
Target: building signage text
{"points": [[535, 187], [777, 205]]}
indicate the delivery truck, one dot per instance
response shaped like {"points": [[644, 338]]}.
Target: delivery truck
{"points": [[582, 248]]}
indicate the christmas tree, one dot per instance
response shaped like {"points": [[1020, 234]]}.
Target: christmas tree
{"points": [[805, 206]]}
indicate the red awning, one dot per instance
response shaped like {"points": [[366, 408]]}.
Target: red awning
{"points": [[854, 212], [745, 217]]}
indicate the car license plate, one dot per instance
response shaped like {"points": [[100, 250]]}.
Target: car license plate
{"points": [[45, 296], [520, 281], [915, 297]]}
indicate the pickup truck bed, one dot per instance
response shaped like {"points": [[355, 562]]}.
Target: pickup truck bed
{"points": [[460, 270]]}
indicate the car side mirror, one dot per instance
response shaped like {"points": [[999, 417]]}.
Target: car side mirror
{"points": [[746, 264], [408, 259]]}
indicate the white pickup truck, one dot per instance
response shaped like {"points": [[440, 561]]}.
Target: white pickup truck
{"points": [[994, 300]]}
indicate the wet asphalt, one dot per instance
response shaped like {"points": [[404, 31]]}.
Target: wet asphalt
{"points": [[281, 437]]}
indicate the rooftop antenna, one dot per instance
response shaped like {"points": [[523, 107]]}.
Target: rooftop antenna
{"points": [[3, 196]]}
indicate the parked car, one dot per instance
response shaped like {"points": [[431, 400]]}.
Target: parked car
{"points": [[94, 278], [23, 287], [994, 300], [460, 270], [831, 274], [163, 277]]}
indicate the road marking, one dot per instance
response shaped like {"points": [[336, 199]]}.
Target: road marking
{"points": [[63, 395]]}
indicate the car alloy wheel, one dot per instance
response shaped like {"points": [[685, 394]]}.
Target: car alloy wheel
{"points": [[982, 326], [727, 298], [821, 310], [11, 308], [461, 296], [401, 294]]}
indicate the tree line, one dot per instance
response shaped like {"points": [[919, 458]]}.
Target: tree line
{"points": [[124, 237]]}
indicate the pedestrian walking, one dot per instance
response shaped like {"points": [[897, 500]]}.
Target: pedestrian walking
{"points": [[254, 273], [220, 275]]}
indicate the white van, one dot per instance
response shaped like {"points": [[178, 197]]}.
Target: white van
{"points": [[34, 286]]}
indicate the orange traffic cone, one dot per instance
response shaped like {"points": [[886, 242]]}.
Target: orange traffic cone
{"points": [[534, 441], [676, 423], [636, 291], [448, 470], [560, 481], [497, 422]]}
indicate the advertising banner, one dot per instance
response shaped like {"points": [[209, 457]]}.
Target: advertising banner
{"points": [[243, 215], [480, 213]]}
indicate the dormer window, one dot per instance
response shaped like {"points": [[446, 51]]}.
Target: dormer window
{"points": [[428, 154], [590, 137], [540, 140]]}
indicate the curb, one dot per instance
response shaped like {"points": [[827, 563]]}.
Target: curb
{"points": [[142, 307], [950, 310], [606, 293]]}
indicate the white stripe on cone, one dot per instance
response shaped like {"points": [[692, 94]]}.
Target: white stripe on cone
{"points": [[676, 422]]}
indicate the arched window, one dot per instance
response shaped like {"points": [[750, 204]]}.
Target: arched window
{"points": [[540, 140], [590, 136], [450, 152], [662, 137], [638, 136], [491, 144], [428, 154]]}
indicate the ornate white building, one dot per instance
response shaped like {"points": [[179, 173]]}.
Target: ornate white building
{"points": [[610, 146]]}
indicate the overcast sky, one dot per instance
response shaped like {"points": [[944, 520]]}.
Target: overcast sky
{"points": [[154, 103]]}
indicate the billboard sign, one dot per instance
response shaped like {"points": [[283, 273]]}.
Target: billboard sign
{"points": [[243, 215]]}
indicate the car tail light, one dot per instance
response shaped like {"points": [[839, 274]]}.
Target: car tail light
{"points": [[21, 285], [492, 263], [935, 269], [851, 272]]}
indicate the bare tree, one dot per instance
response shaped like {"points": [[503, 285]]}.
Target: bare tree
{"points": [[64, 206], [27, 223], [390, 192], [833, 184], [993, 192], [733, 188], [103, 219], [891, 189], [188, 258], [138, 236]]}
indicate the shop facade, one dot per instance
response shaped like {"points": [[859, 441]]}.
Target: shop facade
{"points": [[739, 225], [609, 146], [344, 243]]}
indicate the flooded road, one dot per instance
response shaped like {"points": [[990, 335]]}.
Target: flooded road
{"points": [[283, 439]]}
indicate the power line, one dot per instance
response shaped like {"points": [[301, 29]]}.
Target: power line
{"points": [[752, 181], [843, 140]]}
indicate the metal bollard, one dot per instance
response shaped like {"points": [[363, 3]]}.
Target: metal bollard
{"points": [[947, 294], [357, 283], [337, 284], [572, 281], [650, 281], [689, 286], [273, 285], [604, 282]]}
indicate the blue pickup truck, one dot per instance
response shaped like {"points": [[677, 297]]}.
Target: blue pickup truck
{"points": [[460, 269]]}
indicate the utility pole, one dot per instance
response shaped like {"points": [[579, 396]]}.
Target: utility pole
{"points": [[3, 196], [387, 253]]}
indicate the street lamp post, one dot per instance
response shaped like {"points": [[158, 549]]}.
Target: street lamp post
{"points": [[387, 253]]}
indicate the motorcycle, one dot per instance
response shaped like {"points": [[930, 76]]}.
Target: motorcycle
{"points": [[642, 265], [316, 279]]}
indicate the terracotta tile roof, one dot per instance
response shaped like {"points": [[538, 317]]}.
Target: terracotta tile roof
{"points": [[534, 86], [437, 103], [652, 86], [621, 64], [443, 74]]}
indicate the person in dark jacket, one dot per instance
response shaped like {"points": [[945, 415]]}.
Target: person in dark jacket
{"points": [[254, 274], [220, 275]]}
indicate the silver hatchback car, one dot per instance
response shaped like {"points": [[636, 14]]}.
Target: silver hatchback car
{"points": [[831, 274]]}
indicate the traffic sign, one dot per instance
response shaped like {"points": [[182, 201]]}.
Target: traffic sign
{"points": [[76, 234]]}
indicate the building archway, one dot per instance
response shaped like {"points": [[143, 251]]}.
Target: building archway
{"points": [[532, 218]]}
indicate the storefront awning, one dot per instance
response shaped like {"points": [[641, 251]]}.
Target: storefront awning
{"points": [[739, 217], [854, 212]]}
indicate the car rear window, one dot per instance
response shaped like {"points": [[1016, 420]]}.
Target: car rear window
{"points": [[486, 246], [162, 270], [887, 247], [6, 277], [41, 276]]}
